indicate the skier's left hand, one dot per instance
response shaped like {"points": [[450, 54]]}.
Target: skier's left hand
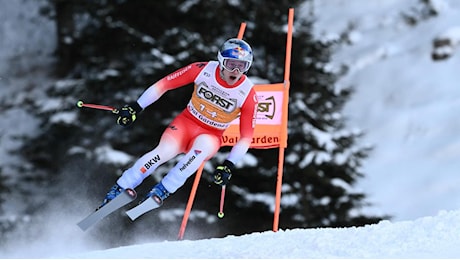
{"points": [[223, 173]]}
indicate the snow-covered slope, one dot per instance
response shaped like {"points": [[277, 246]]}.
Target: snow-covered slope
{"points": [[428, 237], [407, 103]]}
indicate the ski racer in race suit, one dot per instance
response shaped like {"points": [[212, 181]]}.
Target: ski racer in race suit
{"points": [[222, 92]]}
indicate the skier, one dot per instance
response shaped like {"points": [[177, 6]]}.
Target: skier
{"points": [[222, 92]]}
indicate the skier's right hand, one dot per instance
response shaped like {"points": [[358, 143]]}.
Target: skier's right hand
{"points": [[127, 114], [223, 173]]}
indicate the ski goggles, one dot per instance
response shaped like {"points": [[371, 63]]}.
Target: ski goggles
{"points": [[232, 65]]}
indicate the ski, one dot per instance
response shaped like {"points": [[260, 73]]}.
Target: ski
{"points": [[121, 200], [144, 207]]}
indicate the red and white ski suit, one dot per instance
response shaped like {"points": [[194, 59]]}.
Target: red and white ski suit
{"points": [[197, 131]]}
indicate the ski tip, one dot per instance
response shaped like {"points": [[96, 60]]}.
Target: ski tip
{"points": [[123, 199], [142, 208], [83, 225], [132, 214]]}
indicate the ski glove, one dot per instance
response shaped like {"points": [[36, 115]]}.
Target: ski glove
{"points": [[223, 173], [127, 114]]}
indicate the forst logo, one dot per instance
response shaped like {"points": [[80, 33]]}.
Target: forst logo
{"points": [[267, 107], [227, 105]]}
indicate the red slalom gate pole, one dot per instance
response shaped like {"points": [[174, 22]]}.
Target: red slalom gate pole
{"points": [[188, 208]]}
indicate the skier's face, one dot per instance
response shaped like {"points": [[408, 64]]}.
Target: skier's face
{"points": [[231, 77]]}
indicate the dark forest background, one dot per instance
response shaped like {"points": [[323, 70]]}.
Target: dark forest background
{"points": [[109, 52]]}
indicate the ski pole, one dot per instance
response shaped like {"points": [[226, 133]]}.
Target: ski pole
{"points": [[222, 199], [95, 106]]}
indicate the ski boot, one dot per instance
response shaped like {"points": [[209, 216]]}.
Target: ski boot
{"points": [[111, 194], [158, 194]]}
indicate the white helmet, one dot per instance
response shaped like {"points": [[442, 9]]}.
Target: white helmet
{"points": [[235, 49]]}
